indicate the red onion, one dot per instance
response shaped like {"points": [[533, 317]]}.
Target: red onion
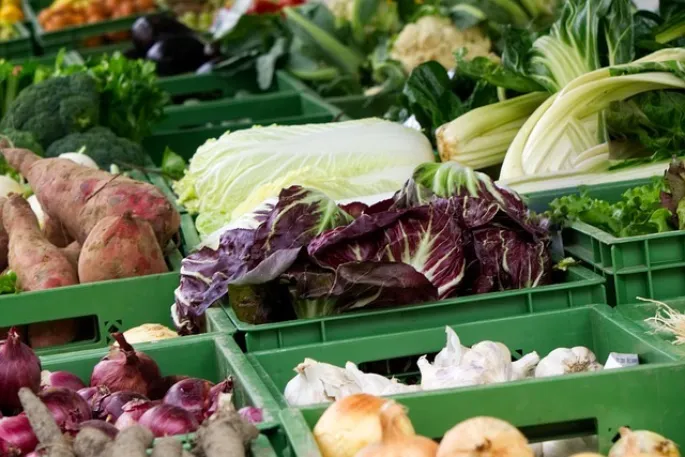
{"points": [[224, 387], [91, 394], [133, 410], [67, 407], [168, 420], [251, 414], [60, 379], [125, 369], [108, 429], [109, 407], [16, 436], [19, 367], [162, 386], [191, 394]]}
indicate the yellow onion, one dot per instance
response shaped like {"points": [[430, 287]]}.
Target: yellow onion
{"points": [[637, 442], [146, 333], [395, 441], [352, 423], [484, 437]]}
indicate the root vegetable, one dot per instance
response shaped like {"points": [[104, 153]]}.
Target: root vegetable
{"points": [[44, 426], [91, 442], [225, 432], [132, 442], [52, 333], [80, 196], [167, 447], [38, 264], [72, 253], [120, 247], [55, 232]]}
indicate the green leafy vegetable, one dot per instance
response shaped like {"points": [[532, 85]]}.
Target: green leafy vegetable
{"points": [[8, 283], [173, 164]]}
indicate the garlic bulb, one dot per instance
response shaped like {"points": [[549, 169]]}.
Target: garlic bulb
{"points": [[396, 388], [484, 437], [317, 382], [525, 366], [492, 360], [351, 424], [451, 354], [563, 361], [395, 442], [435, 378], [636, 442], [564, 448], [369, 383]]}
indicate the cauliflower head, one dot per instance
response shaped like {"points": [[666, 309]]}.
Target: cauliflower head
{"points": [[436, 38]]}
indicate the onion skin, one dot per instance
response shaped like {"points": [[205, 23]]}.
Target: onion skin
{"points": [[67, 407], [91, 394], [19, 367], [133, 411], [159, 389], [16, 436], [351, 424], [125, 369], [191, 394], [106, 428], [484, 437], [252, 414], [168, 420], [395, 441], [61, 379], [110, 406], [224, 387], [633, 443]]}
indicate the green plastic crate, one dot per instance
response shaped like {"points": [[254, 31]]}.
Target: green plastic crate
{"points": [[213, 86], [208, 357], [549, 408], [650, 266], [187, 127], [18, 47], [580, 287], [102, 307], [73, 37]]}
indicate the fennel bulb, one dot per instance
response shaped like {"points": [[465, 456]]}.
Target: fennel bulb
{"points": [[344, 159]]}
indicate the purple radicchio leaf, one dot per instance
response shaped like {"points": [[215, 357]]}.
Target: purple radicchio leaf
{"points": [[428, 238], [510, 259], [317, 292], [252, 257]]}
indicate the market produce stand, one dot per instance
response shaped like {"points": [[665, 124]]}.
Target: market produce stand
{"points": [[356, 261]]}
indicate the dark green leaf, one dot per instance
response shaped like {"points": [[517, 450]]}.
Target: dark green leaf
{"points": [[619, 33], [428, 91], [266, 64], [483, 68]]}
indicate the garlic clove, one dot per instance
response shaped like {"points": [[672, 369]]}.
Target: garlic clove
{"points": [[492, 359], [369, 383], [451, 354], [525, 366]]}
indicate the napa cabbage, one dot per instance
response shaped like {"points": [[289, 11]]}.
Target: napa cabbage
{"points": [[234, 174]]}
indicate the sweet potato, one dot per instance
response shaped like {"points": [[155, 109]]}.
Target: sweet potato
{"points": [[120, 247], [4, 239], [37, 263], [55, 232], [53, 333], [72, 253], [80, 197]]}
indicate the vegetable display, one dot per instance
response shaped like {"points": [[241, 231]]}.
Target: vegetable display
{"points": [[586, 100], [310, 257], [365, 425], [650, 208], [486, 362], [123, 380]]}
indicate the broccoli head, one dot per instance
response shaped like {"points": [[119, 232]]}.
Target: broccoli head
{"points": [[54, 108], [24, 140], [101, 145]]}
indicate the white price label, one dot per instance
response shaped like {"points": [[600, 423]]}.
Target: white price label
{"points": [[617, 360]]}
